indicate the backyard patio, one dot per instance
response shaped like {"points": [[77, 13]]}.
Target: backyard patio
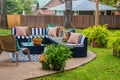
{"points": [[27, 70]]}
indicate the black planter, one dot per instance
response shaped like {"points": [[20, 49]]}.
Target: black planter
{"points": [[57, 67], [45, 66]]}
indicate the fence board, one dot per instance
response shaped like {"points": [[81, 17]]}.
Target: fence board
{"points": [[82, 21]]}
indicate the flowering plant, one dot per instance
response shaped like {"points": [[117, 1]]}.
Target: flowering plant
{"points": [[43, 58]]}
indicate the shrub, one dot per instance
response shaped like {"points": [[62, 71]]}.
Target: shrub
{"points": [[98, 34], [114, 42]]}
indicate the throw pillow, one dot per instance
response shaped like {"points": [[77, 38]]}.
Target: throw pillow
{"points": [[51, 25], [21, 31], [59, 31], [74, 37], [52, 32], [28, 31], [66, 36]]}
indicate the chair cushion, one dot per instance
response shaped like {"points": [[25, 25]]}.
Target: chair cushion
{"points": [[52, 32], [17, 46], [74, 37]]}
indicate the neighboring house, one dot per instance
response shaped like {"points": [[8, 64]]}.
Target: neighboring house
{"points": [[85, 7], [44, 6]]}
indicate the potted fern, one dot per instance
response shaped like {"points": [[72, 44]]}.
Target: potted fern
{"points": [[57, 55]]}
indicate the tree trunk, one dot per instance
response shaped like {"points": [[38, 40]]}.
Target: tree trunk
{"points": [[97, 13], [68, 14], [3, 14]]}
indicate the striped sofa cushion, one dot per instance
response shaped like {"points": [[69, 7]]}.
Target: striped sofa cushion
{"points": [[13, 31], [34, 31], [40, 31]]}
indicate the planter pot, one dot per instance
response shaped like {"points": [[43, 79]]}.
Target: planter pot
{"points": [[93, 43], [45, 66], [37, 41], [56, 67]]}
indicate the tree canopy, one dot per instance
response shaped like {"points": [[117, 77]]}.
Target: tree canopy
{"points": [[18, 6], [109, 2]]}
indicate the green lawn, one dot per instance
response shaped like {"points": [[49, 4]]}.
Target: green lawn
{"points": [[5, 31], [104, 67]]}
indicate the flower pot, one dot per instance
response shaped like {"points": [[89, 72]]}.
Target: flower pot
{"points": [[56, 67], [37, 41], [93, 43], [115, 52], [45, 66]]}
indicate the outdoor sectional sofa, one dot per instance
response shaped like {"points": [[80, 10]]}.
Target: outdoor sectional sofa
{"points": [[79, 50]]}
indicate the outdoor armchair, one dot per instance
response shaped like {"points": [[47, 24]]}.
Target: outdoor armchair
{"points": [[9, 44]]}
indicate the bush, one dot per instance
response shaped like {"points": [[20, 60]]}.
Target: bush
{"points": [[114, 42], [98, 34]]}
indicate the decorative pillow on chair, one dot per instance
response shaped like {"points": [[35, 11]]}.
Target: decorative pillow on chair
{"points": [[52, 32], [74, 37], [21, 31]]}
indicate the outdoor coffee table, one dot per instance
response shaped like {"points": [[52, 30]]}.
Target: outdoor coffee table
{"points": [[34, 49]]}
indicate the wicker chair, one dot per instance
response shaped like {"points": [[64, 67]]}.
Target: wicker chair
{"points": [[8, 44]]}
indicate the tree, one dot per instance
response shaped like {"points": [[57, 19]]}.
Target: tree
{"points": [[97, 13], [3, 14], [18, 6], [109, 2], [68, 14]]}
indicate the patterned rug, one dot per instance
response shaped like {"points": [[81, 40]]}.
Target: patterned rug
{"points": [[24, 58]]}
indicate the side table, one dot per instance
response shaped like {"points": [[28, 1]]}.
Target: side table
{"points": [[34, 49]]}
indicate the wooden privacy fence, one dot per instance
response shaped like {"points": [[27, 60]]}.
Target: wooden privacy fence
{"points": [[13, 20], [82, 21]]}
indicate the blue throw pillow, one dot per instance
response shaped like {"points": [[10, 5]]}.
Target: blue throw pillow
{"points": [[51, 25], [17, 46], [72, 30]]}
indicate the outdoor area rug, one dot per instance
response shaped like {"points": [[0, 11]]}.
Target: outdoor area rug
{"points": [[24, 58]]}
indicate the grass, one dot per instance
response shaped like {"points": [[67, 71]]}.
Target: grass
{"points": [[5, 31], [104, 67]]}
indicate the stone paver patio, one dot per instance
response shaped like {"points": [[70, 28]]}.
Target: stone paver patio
{"points": [[26, 70]]}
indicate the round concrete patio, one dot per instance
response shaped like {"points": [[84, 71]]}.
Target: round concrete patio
{"points": [[26, 70]]}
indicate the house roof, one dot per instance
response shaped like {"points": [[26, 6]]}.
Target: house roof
{"points": [[42, 3], [83, 5]]}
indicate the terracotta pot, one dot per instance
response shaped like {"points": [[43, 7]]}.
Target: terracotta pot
{"points": [[115, 52], [37, 41]]}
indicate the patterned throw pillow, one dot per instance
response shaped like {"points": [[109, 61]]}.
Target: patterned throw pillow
{"points": [[21, 31], [74, 37], [66, 36], [52, 32], [59, 31]]}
